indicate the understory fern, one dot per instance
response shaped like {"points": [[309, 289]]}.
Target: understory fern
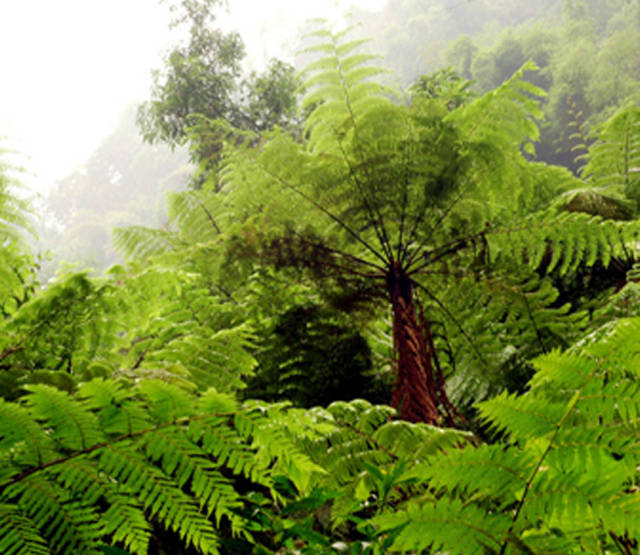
{"points": [[136, 323], [562, 477], [103, 466], [108, 464]]}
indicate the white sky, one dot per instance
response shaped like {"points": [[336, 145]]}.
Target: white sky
{"points": [[69, 67]]}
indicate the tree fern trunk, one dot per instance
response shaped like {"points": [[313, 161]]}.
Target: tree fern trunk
{"points": [[416, 393]]}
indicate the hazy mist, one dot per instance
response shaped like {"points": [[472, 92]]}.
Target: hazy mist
{"points": [[71, 67]]}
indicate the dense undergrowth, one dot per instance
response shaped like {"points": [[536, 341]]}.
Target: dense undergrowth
{"points": [[206, 397]]}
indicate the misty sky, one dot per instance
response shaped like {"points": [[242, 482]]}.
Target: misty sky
{"points": [[69, 67]]}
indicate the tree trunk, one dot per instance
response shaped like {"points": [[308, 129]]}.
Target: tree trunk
{"points": [[419, 394], [414, 395]]}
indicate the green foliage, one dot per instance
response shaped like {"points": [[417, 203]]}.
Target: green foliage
{"points": [[109, 463], [151, 323], [313, 356], [562, 477], [446, 194], [17, 280], [443, 189], [201, 85], [198, 78], [586, 59], [613, 160], [124, 423], [106, 465], [446, 84]]}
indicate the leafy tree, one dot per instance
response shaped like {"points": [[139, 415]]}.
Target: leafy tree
{"points": [[444, 84], [202, 82], [586, 58]]}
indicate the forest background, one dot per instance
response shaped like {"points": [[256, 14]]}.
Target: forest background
{"points": [[456, 238]]}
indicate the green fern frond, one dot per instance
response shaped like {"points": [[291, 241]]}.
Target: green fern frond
{"points": [[614, 158], [561, 478], [70, 526], [447, 525], [129, 456], [18, 534], [126, 523], [75, 428], [143, 242], [23, 441], [562, 242]]}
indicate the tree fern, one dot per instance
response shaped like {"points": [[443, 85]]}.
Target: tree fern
{"points": [[411, 198]]}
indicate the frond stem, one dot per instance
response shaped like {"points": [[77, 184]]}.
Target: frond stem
{"points": [[452, 318], [329, 214], [572, 403], [88, 450]]}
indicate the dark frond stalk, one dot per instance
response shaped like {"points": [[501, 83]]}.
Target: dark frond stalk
{"points": [[112, 441], [551, 443], [330, 215], [432, 230], [210, 217], [374, 216], [453, 319], [340, 254]]}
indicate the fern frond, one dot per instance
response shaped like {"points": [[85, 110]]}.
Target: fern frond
{"points": [[566, 241], [143, 242], [125, 522], [614, 158], [22, 439], [447, 525], [75, 428], [70, 526], [127, 457], [159, 495], [340, 90], [18, 534]]}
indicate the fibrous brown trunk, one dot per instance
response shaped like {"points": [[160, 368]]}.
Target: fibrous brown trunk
{"points": [[419, 394]]}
